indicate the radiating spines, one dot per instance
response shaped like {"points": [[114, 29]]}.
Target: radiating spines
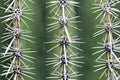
{"points": [[63, 41], [107, 48], [105, 8], [108, 26], [62, 3], [63, 15], [107, 51], [18, 13], [63, 23], [15, 13], [14, 33], [10, 3], [67, 57], [17, 72], [70, 61], [108, 65], [63, 11], [18, 56]]}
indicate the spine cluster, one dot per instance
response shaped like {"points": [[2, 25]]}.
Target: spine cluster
{"points": [[108, 60], [66, 59], [15, 56]]}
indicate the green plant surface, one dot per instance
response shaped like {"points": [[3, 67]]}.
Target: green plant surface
{"points": [[38, 28]]}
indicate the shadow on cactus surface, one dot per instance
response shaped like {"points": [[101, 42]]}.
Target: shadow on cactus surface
{"points": [[39, 29]]}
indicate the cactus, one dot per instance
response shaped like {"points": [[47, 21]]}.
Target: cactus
{"points": [[108, 61], [14, 57], [66, 58], [57, 31]]}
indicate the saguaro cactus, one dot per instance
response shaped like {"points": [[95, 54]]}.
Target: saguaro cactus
{"points": [[61, 33], [67, 59], [108, 60], [14, 56]]}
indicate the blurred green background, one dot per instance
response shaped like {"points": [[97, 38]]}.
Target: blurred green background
{"points": [[38, 28]]}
